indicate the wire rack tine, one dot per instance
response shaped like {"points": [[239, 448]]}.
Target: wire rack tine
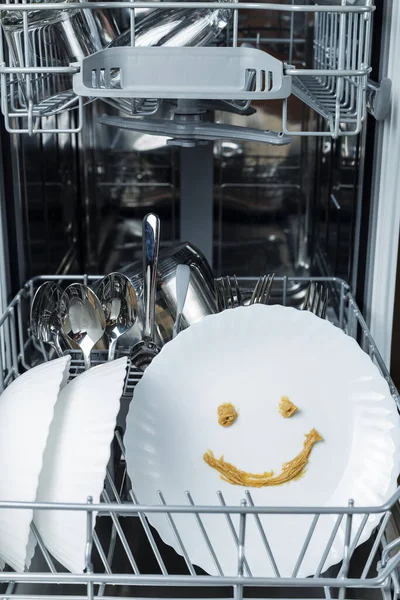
{"points": [[43, 549], [113, 534], [263, 536], [346, 550], [355, 540], [329, 545], [205, 536], [142, 518], [150, 536], [121, 536], [110, 481], [238, 589], [102, 555], [327, 592], [305, 545], [233, 530], [376, 545], [177, 536]]}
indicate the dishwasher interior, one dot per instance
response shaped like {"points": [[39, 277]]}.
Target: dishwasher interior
{"points": [[76, 192], [292, 210]]}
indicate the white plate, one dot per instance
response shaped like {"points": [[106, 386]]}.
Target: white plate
{"points": [[251, 357], [76, 457], [26, 411]]}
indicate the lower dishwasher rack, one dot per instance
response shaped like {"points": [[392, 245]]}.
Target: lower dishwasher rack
{"points": [[126, 557]]}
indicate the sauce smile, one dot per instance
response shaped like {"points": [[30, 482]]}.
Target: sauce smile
{"points": [[290, 470]]}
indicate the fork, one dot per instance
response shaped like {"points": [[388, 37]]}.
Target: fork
{"points": [[227, 292], [316, 299], [262, 290]]}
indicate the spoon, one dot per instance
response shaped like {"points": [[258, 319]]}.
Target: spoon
{"points": [[118, 299], [45, 318], [144, 351], [182, 285], [82, 318]]}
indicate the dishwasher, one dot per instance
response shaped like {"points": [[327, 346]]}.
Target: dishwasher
{"points": [[271, 142]]}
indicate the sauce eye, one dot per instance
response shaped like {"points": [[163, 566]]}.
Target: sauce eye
{"points": [[287, 408], [227, 414]]}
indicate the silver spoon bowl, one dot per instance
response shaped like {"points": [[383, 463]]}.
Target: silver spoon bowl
{"points": [[45, 317], [118, 300], [82, 318]]}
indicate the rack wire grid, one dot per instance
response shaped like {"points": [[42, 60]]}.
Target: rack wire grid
{"points": [[330, 76], [122, 536]]}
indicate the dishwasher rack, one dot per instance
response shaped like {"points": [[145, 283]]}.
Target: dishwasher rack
{"points": [[329, 74], [116, 551]]}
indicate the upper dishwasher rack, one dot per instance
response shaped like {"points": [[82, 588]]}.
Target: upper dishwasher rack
{"points": [[319, 53]]}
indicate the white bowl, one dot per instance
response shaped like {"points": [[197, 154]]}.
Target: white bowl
{"points": [[26, 411], [76, 457], [251, 357]]}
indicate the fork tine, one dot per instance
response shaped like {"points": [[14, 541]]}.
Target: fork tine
{"points": [[225, 293], [268, 289], [325, 303], [263, 288], [314, 301], [219, 293], [225, 284], [230, 292], [255, 291], [237, 291], [317, 299], [307, 297]]}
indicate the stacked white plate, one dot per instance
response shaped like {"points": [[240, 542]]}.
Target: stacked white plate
{"points": [[54, 446], [26, 412], [76, 457]]}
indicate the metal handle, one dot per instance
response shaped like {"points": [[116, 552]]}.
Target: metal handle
{"points": [[151, 243]]}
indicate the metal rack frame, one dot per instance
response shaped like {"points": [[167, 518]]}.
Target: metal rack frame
{"points": [[334, 85], [121, 506]]}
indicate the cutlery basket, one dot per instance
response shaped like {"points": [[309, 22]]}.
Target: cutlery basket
{"points": [[125, 556]]}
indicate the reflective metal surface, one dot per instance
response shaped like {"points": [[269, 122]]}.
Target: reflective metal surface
{"points": [[227, 292], [316, 300], [279, 210], [262, 290], [118, 299], [54, 38], [146, 349], [182, 285], [170, 27], [45, 315], [200, 300], [82, 318]]}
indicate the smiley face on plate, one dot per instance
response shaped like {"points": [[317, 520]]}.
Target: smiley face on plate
{"points": [[293, 469]]}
